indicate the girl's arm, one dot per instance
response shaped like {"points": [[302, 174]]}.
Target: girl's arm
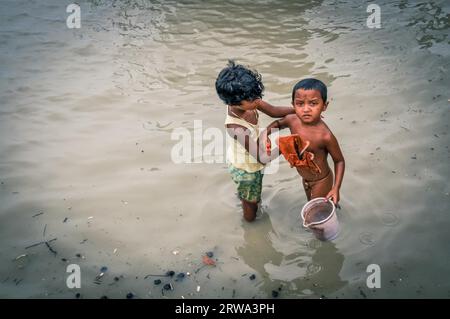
{"points": [[339, 166], [256, 149], [274, 111], [277, 124]]}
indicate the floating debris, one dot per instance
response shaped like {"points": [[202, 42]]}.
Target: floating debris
{"points": [[210, 254], [38, 214], [152, 275], [115, 250], [362, 293], [274, 293], [104, 269], [157, 281], [130, 295], [170, 273], [90, 217], [51, 248], [20, 256], [45, 228], [78, 295], [65, 220], [104, 297], [98, 278], [208, 261], [198, 288], [17, 281], [40, 243], [252, 277], [175, 252]]}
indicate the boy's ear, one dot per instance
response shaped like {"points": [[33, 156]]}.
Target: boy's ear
{"points": [[325, 105]]}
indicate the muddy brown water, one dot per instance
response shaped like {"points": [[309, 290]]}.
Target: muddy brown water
{"points": [[86, 121]]}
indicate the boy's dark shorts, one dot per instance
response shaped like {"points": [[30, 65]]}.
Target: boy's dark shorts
{"points": [[249, 185]]}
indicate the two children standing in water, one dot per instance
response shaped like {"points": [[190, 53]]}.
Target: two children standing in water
{"points": [[307, 147]]}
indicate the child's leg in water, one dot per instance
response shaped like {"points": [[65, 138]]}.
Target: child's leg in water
{"points": [[319, 188], [249, 187], [250, 209]]}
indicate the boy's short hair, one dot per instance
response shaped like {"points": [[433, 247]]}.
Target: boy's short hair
{"points": [[236, 83], [311, 84]]}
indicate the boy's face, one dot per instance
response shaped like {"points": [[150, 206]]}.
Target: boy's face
{"points": [[308, 105]]}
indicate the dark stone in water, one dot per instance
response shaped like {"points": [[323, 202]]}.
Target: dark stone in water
{"points": [[210, 254], [104, 297], [252, 277], [157, 281], [130, 295], [180, 275], [77, 295], [170, 273], [168, 287], [274, 293]]}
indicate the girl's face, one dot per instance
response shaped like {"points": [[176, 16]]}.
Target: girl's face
{"points": [[308, 105]]}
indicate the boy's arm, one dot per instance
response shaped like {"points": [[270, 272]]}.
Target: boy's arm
{"points": [[339, 166], [274, 111], [256, 149]]}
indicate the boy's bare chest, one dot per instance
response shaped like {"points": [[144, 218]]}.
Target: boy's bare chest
{"points": [[312, 134]]}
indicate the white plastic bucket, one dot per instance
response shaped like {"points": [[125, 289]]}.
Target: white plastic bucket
{"points": [[319, 215]]}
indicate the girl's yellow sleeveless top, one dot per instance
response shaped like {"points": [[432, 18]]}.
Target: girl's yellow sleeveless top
{"points": [[237, 155]]}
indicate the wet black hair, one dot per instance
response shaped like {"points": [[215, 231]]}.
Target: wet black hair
{"points": [[311, 84], [237, 83]]}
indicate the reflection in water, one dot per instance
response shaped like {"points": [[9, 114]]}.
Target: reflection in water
{"points": [[313, 271]]}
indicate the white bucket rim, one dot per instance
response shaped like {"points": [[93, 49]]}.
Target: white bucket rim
{"points": [[313, 201]]}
